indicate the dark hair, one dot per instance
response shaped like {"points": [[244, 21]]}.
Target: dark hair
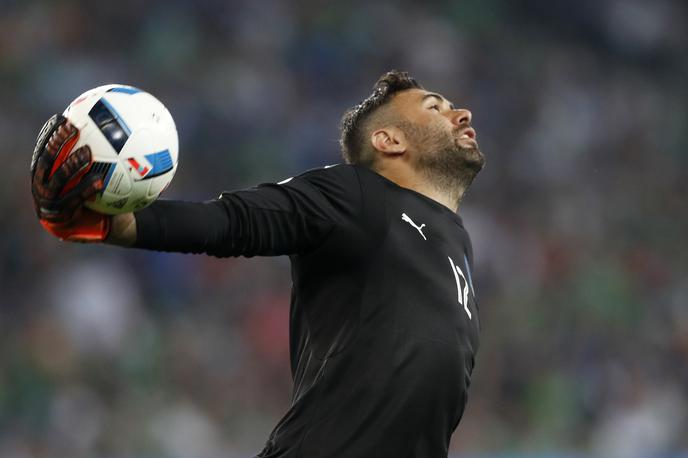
{"points": [[353, 125]]}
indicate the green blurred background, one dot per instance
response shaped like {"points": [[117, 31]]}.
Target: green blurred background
{"points": [[579, 219]]}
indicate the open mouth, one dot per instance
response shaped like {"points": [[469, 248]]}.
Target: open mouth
{"points": [[468, 134], [467, 140]]}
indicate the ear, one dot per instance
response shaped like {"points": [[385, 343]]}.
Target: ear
{"points": [[389, 141]]}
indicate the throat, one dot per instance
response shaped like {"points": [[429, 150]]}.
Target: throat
{"points": [[448, 195]]}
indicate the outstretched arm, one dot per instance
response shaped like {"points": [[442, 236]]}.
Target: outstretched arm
{"points": [[266, 220], [291, 217]]}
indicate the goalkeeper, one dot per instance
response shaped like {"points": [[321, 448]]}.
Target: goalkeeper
{"points": [[384, 318]]}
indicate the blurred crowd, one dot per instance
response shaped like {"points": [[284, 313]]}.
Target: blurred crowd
{"points": [[579, 219]]}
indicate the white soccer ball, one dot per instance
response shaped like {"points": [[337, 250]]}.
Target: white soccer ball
{"points": [[133, 141]]}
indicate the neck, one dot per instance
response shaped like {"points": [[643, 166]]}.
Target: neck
{"points": [[410, 180]]}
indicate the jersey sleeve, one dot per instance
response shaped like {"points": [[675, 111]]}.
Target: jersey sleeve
{"points": [[295, 216]]}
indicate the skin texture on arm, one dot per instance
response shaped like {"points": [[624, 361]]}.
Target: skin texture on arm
{"points": [[122, 230]]}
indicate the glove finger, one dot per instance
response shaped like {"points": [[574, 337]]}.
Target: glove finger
{"points": [[57, 211], [63, 209], [49, 203], [39, 169], [39, 188], [89, 186], [51, 211], [73, 165], [60, 136], [56, 151], [61, 144], [45, 160], [50, 126]]}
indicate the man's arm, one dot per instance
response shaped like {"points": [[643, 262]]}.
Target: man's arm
{"points": [[291, 217], [267, 220], [122, 230]]}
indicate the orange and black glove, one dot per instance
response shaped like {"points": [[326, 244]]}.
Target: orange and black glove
{"points": [[61, 184]]}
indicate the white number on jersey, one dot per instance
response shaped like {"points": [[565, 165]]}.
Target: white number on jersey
{"points": [[462, 292]]}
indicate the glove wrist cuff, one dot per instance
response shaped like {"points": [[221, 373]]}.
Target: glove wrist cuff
{"points": [[90, 228]]}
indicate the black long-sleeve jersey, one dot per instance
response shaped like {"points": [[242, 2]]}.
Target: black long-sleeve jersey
{"points": [[383, 322]]}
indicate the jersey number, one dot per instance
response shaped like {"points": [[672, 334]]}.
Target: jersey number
{"points": [[462, 292]]}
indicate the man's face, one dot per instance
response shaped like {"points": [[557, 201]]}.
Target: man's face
{"points": [[441, 140]]}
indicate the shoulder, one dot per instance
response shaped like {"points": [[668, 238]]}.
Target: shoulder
{"points": [[335, 173], [351, 190], [356, 185], [339, 180], [355, 178]]}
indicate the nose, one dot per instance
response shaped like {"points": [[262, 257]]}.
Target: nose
{"points": [[462, 117]]}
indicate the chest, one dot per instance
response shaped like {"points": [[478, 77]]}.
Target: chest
{"points": [[427, 258]]}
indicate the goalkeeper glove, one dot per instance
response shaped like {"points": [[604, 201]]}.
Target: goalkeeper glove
{"points": [[61, 184]]}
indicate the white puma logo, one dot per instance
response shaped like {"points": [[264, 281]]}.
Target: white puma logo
{"points": [[405, 217]]}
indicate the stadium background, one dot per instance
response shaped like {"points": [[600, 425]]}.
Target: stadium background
{"points": [[579, 219]]}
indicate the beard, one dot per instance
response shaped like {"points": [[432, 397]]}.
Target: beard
{"points": [[446, 164]]}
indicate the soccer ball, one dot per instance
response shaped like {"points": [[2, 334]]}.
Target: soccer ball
{"points": [[133, 141]]}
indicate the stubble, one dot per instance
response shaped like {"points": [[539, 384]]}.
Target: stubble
{"points": [[447, 165]]}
